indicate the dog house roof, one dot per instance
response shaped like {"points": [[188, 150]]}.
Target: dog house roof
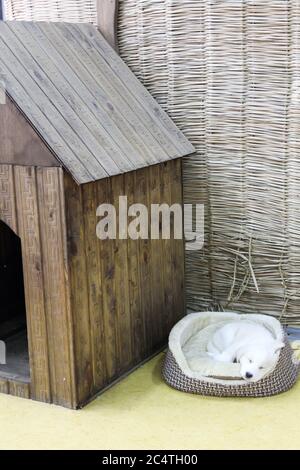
{"points": [[83, 101]]}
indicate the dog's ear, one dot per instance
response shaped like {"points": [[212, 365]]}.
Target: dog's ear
{"points": [[278, 345]]}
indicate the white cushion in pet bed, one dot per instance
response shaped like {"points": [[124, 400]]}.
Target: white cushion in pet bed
{"points": [[189, 338]]}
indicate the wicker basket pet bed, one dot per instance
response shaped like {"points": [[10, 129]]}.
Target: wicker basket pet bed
{"points": [[188, 367]]}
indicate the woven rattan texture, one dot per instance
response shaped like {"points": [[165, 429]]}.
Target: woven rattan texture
{"points": [[74, 11], [228, 74]]}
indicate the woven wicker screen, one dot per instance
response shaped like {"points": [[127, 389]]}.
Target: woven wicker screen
{"points": [[74, 11], [228, 73]]}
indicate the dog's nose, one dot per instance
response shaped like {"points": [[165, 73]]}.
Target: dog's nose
{"points": [[249, 375]]}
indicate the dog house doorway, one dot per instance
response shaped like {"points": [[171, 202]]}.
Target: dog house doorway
{"points": [[13, 331]]}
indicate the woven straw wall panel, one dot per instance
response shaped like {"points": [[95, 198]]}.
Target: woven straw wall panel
{"points": [[228, 73], [74, 11]]}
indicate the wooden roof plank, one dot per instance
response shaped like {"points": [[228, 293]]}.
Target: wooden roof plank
{"points": [[141, 93], [64, 102], [104, 106], [41, 120], [83, 101], [120, 95], [72, 95]]}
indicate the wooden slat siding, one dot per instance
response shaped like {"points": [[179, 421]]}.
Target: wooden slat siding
{"points": [[117, 310], [127, 113], [107, 20], [104, 194], [56, 290], [29, 232], [69, 315], [42, 116], [135, 292], [177, 247], [79, 289], [4, 386], [123, 321], [100, 99], [166, 182], [156, 280], [158, 139], [95, 284], [7, 200], [19, 389], [125, 296], [35, 75], [20, 144], [167, 126], [142, 193]]}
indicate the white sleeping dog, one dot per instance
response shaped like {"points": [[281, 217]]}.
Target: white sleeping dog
{"points": [[247, 343]]}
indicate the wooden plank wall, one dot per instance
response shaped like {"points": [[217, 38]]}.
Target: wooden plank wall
{"points": [[125, 294], [95, 309], [20, 144], [31, 203], [15, 388]]}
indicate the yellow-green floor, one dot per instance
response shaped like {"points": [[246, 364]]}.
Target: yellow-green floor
{"points": [[142, 412]]}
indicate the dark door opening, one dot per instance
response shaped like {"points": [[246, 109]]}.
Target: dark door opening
{"points": [[13, 330]]}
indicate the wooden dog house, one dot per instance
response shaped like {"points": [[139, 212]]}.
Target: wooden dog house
{"points": [[78, 129]]}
